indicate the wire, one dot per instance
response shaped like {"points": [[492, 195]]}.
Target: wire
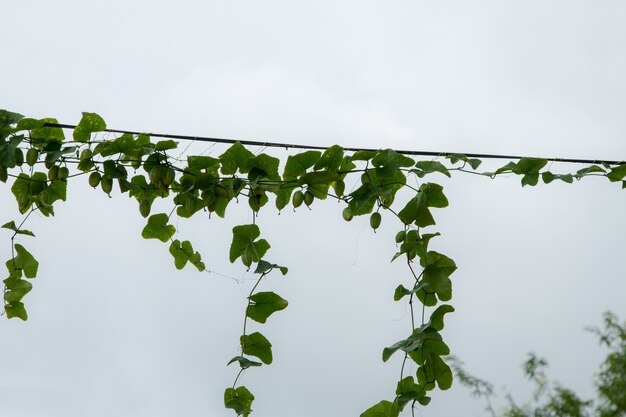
{"points": [[299, 146]]}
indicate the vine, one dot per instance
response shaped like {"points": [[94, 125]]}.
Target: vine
{"points": [[40, 162]]}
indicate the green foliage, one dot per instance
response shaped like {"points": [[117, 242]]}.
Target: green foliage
{"points": [[157, 228], [24, 262], [207, 184], [89, 123], [239, 399], [11, 226], [244, 362], [235, 159], [611, 380], [437, 271], [183, 253], [257, 345], [264, 304], [245, 245], [423, 168], [417, 210], [382, 409], [408, 391], [298, 164], [551, 399]]}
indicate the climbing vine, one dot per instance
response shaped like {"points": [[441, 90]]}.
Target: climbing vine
{"points": [[38, 162]]}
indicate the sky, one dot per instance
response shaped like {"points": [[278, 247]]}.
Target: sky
{"points": [[115, 329]]}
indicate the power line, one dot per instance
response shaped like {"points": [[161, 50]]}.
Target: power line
{"points": [[300, 146]]}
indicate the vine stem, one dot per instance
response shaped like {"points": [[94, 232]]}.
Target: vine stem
{"points": [[237, 377], [245, 319]]}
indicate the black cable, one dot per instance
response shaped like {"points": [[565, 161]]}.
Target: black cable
{"points": [[297, 146]]}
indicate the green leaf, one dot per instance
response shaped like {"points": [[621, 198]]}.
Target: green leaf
{"points": [[319, 182], [409, 213], [46, 133], [125, 144], [264, 266], [245, 246], [235, 158], [263, 166], [407, 390], [53, 151], [434, 345], [330, 160], [11, 226], [617, 173], [434, 195], [157, 228], [25, 187], [17, 289], [239, 400], [57, 190], [422, 168], [114, 170], [402, 292], [415, 245], [437, 271], [417, 209], [413, 342], [589, 170], [257, 345], [165, 145], [244, 362], [375, 186], [24, 261], [29, 123], [382, 409], [183, 253], [427, 296], [89, 123], [203, 162], [530, 179], [427, 340], [389, 161], [425, 400], [283, 197], [363, 199], [363, 155], [529, 165], [423, 377], [509, 167], [8, 118], [264, 304], [456, 157], [436, 318], [406, 344], [141, 190], [298, 164], [441, 371], [548, 177], [16, 310], [7, 151]]}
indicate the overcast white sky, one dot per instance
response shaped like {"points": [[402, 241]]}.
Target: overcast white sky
{"points": [[114, 329]]}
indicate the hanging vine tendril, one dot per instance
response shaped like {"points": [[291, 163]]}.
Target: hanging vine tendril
{"points": [[39, 162]]}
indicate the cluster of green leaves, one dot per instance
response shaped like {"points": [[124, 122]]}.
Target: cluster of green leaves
{"points": [[531, 169], [425, 345], [551, 399], [247, 246], [21, 265], [40, 160]]}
